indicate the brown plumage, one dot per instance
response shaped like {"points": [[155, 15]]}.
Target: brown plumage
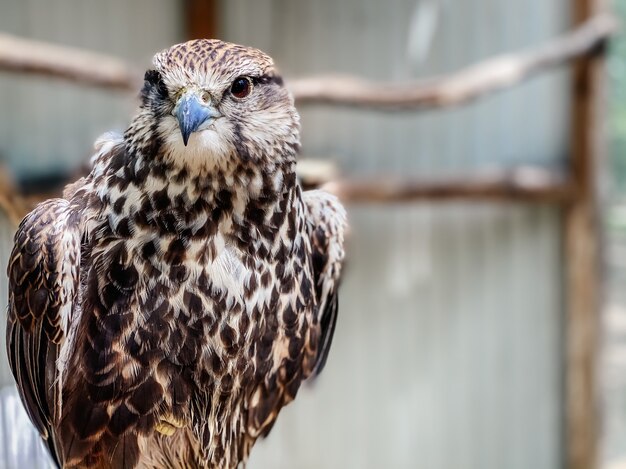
{"points": [[164, 310]]}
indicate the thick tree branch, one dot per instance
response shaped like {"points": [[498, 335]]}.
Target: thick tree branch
{"points": [[40, 58], [89, 68], [518, 185], [486, 77]]}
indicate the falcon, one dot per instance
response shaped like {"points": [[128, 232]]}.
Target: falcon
{"points": [[165, 309]]}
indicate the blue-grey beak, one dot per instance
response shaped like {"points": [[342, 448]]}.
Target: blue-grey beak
{"points": [[192, 113]]}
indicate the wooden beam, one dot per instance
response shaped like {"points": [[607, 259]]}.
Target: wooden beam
{"points": [[39, 58], [519, 185], [582, 241], [463, 86], [201, 18], [527, 185], [32, 57]]}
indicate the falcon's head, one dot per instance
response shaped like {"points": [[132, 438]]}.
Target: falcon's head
{"points": [[207, 102]]}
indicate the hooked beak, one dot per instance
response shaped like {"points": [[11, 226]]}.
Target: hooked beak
{"points": [[192, 113]]}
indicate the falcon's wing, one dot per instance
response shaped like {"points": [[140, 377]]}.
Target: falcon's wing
{"points": [[327, 223], [43, 280]]}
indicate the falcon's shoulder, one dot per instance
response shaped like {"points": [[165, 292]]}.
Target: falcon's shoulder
{"points": [[43, 281], [326, 227]]}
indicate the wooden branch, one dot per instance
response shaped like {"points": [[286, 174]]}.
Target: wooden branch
{"points": [[468, 84], [89, 68], [523, 185], [519, 185], [40, 58]]}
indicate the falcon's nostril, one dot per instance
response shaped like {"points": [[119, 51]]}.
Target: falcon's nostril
{"points": [[192, 113]]}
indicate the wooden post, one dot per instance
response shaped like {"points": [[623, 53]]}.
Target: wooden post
{"points": [[582, 236], [201, 18]]}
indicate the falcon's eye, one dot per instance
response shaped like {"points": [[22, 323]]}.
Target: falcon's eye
{"points": [[241, 87]]}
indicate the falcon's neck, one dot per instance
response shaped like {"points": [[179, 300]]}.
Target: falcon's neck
{"points": [[243, 201]]}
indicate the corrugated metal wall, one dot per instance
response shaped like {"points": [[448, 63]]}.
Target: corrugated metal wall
{"points": [[448, 347]]}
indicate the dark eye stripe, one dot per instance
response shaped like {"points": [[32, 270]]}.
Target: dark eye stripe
{"points": [[152, 77], [154, 80], [267, 79]]}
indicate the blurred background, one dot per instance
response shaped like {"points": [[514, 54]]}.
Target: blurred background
{"points": [[463, 336]]}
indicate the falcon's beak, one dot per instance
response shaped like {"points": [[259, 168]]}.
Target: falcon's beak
{"points": [[192, 114]]}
